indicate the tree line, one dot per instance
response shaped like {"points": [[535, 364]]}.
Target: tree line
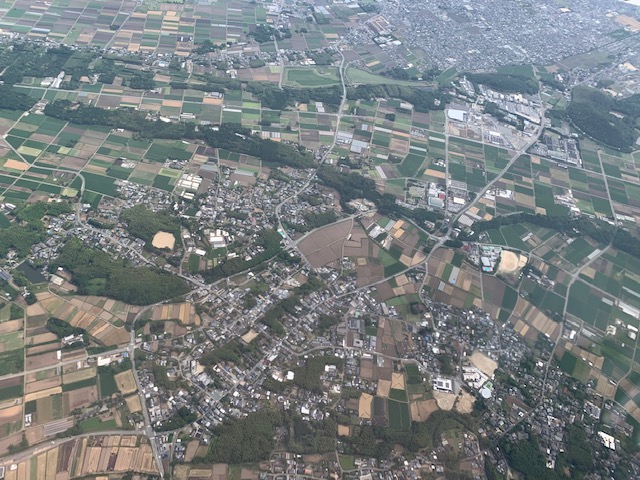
{"points": [[590, 111], [423, 99]]}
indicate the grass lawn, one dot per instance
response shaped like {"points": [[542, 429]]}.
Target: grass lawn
{"points": [[312, 77], [96, 424]]}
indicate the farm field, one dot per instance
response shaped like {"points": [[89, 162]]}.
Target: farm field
{"points": [[79, 458]]}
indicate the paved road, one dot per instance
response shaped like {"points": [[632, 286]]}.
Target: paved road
{"points": [[288, 240], [66, 362]]}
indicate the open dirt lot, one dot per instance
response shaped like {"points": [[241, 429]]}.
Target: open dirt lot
{"points": [[164, 240], [465, 402], [249, 336], [483, 363], [364, 406]]}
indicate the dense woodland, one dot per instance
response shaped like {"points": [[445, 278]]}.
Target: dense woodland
{"points": [[29, 229], [95, 273], [507, 83], [245, 440], [12, 98], [590, 110], [423, 99], [235, 138], [232, 137], [62, 329], [144, 223]]}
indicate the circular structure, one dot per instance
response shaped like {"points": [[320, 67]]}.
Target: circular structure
{"points": [[485, 393]]}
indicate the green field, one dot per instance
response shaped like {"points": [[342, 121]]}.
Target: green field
{"points": [[96, 424], [11, 392], [12, 362], [312, 76], [358, 77], [11, 341], [413, 374], [89, 382], [107, 384], [398, 415], [397, 394]]}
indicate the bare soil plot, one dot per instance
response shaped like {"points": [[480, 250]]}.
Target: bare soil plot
{"points": [[79, 398], [78, 375], [9, 440], [34, 434], [324, 245], [42, 385], [397, 381], [384, 386], [192, 448], [511, 262], [10, 382], [164, 240], [185, 313], [421, 410], [42, 360], [10, 326], [249, 336], [465, 401], [364, 406], [126, 382], [445, 400], [16, 165], [42, 394], [11, 414], [483, 363], [133, 403]]}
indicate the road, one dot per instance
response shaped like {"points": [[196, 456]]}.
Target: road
{"points": [[66, 362], [148, 430], [473, 202], [288, 241]]}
